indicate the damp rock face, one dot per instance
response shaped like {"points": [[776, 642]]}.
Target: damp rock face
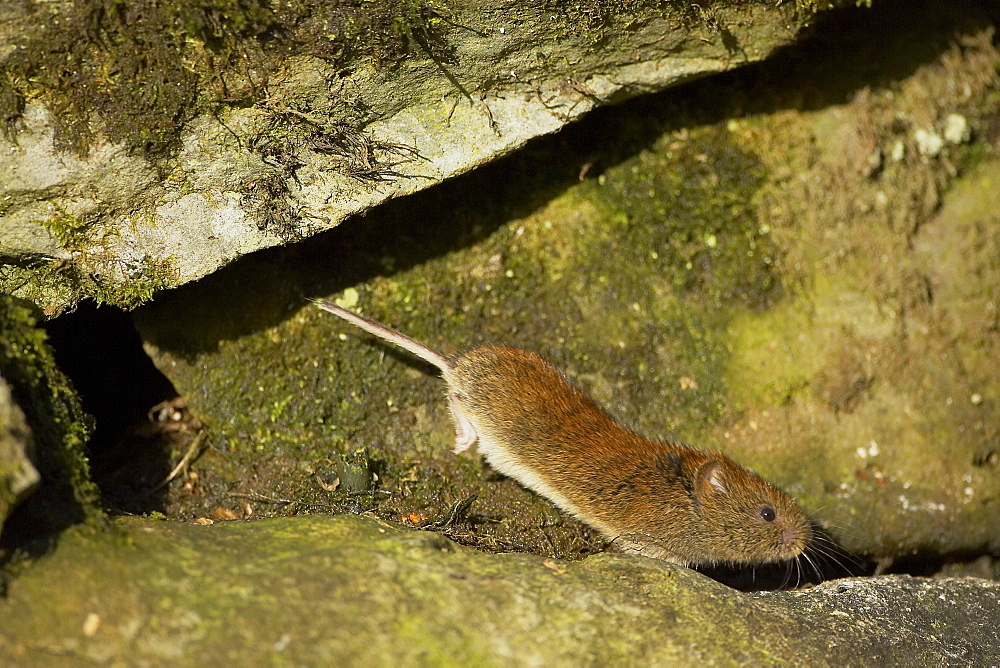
{"points": [[284, 121], [352, 590]]}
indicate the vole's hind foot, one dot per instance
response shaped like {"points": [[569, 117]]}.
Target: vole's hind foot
{"points": [[646, 545], [465, 433]]}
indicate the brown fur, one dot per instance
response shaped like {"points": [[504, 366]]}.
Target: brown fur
{"points": [[653, 497]]}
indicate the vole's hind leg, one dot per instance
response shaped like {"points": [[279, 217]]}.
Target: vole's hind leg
{"points": [[465, 433]]}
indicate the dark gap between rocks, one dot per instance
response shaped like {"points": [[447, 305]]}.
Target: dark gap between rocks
{"points": [[100, 351]]}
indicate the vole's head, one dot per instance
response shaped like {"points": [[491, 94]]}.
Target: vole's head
{"points": [[742, 518]]}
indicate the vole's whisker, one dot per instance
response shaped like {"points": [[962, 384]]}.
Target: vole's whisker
{"points": [[823, 550], [807, 557]]}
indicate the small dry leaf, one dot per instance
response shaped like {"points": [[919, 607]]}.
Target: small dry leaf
{"points": [[204, 521], [548, 563], [225, 514], [416, 519], [331, 486], [92, 624]]}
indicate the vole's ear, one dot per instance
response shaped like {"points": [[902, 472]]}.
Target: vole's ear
{"points": [[709, 479]]}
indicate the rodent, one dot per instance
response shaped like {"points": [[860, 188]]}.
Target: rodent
{"points": [[662, 499]]}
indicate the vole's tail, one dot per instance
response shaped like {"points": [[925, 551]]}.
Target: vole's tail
{"points": [[390, 335]]}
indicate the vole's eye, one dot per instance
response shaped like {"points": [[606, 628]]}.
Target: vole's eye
{"points": [[767, 514]]}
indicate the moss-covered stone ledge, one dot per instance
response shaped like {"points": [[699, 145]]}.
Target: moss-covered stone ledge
{"points": [[348, 590]]}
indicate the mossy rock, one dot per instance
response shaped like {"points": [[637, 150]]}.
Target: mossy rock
{"points": [[352, 590], [58, 427]]}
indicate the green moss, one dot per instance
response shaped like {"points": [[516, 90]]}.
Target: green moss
{"points": [[138, 283], [60, 427], [590, 20], [137, 71], [66, 228], [688, 209], [40, 283], [675, 237], [355, 591], [388, 30]]}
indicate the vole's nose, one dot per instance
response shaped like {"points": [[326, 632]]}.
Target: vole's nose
{"points": [[791, 536]]}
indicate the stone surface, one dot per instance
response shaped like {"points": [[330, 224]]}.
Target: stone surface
{"points": [[350, 590], [18, 476], [116, 226]]}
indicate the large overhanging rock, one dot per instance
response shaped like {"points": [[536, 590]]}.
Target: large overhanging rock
{"points": [[324, 142]]}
